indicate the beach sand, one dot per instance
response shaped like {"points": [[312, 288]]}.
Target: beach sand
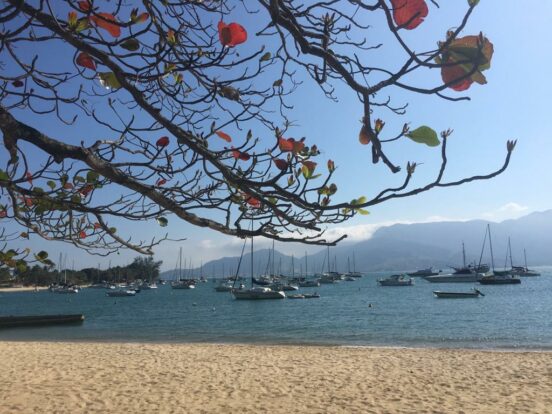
{"points": [[37, 377]]}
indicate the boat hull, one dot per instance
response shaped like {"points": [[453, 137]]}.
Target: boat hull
{"points": [[253, 294], [499, 281], [456, 295], [467, 278], [39, 320]]}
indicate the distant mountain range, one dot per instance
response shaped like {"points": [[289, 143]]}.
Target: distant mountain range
{"points": [[411, 247]]}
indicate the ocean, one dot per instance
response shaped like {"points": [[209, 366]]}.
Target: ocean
{"points": [[358, 313]]}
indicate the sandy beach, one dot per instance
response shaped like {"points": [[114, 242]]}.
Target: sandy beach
{"points": [[39, 377]]}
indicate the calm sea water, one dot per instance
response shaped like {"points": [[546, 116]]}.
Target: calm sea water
{"points": [[515, 316]]}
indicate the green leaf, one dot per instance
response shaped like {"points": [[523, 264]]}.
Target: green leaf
{"points": [[473, 2], [92, 177], [265, 57], [424, 135], [42, 255], [131, 44], [78, 179], [362, 211], [4, 176], [51, 184], [162, 221], [277, 83], [108, 80]]}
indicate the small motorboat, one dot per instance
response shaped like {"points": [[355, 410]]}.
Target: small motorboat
{"points": [[311, 295], [118, 293], [296, 296], [458, 295], [396, 280]]}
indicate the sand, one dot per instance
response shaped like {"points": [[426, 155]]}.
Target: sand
{"points": [[52, 377], [22, 289]]}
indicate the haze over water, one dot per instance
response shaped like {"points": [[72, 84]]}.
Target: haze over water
{"points": [[510, 316]]}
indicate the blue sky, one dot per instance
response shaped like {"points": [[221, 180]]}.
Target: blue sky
{"points": [[513, 105]]}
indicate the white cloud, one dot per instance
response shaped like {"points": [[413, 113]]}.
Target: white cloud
{"points": [[507, 211]]}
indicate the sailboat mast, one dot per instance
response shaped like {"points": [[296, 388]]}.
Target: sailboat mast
{"points": [[464, 254], [180, 266], [251, 259], [292, 266], [273, 259], [491, 246], [525, 258], [510, 248], [329, 270]]}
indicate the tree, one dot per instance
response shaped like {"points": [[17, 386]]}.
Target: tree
{"points": [[193, 115]]}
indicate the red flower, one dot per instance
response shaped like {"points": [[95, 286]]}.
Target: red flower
{"points": [[331, 166], [3, 213], [68, 186], [84, 60], [282, 165], [160, 182], [82, 234], [231, 34], [409, 13], [29, 177], [162, 142], [224, 136], [97, 226], [107, 22]]}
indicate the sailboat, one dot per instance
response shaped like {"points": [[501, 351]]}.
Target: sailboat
{"points": [[308, 282], [63, 287], [523, 270], [494, 278], [256, 292], [182, 283], [354, 273], [465, 274]]}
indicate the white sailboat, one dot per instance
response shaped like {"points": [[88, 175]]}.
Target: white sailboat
{"points": [[182, 283], [256, 292]]}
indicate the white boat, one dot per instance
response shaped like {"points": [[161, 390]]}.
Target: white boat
{"points": [[497, 278], [117, 293], [471, 277], [466, 274], [474, 293], [309, 283], [224, 287], [63, 289], [523, 270], [296, 296], [396, 280], [354, 273], [424, 272], [182, 283], [147, 286], [311, 295], [256, 292]]}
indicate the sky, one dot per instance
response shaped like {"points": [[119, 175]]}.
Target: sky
{"points": [[513, 105]]}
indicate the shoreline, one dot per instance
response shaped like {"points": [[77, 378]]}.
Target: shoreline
{"points": [[545, 350], [67, 377]]}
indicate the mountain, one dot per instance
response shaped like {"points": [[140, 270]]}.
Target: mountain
{"points": [[412, 246]]}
